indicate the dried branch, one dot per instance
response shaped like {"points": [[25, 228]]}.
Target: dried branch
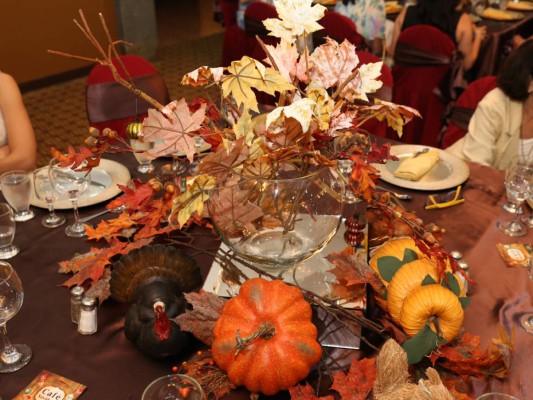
{"points": [[107, 58]]}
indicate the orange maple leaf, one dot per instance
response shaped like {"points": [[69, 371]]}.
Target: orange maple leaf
{"points": [[107, 229], [133, 198], [358, 382], [365, 176]]}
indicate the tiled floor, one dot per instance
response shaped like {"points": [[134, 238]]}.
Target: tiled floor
{"points": [[188, 38]]}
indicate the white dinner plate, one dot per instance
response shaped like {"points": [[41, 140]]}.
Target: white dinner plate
{"points": [[104, 186], [450, 171]]}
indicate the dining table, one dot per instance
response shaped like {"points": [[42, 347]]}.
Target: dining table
{"points": [[114, 368]]}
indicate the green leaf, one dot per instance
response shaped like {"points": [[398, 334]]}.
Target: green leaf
{"points": [[451, 283], [428, 280], [422, 344], [388, 265], [465, 301]]}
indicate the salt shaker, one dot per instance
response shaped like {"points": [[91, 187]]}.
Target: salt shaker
{"points": [[88, 321], [75, 303]]}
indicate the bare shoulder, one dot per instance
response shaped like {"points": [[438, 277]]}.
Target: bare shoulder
{"points": [[8, 87]]}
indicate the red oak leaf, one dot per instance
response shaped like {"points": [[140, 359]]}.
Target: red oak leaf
{"points": [[358, 382]]}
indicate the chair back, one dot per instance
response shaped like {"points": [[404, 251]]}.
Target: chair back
{"points": [[229, 12], [423, 58], [254, 15], [337, 27], [378, 128], [110, 105], [464, 108]]}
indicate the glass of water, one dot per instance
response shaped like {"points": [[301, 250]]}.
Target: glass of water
{"points": [[7, 232], [139, 148], [16, 187]]}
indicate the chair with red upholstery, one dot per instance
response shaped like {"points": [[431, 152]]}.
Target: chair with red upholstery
{"points": [[464, 108], [337, 27], [385, 93], [110, 105], [235, 44], [423, 58], [254, 15]]}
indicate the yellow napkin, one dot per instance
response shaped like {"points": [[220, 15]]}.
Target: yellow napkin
{"points": [[413, 168]]}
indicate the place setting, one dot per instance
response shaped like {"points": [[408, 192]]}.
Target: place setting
{"points": [[423, 168]]}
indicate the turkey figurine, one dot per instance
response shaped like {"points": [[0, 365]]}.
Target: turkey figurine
{"points": [[153, 279]]}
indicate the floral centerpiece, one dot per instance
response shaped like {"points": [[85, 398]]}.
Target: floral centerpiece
{"points": [[321, 100]]}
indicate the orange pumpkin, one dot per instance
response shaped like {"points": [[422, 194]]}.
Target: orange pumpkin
{"points": [[280, 341]]}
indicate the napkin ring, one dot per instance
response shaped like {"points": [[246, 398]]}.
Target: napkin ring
{"points": [[445, 200]]}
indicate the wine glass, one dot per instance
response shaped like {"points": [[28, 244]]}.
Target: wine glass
{"points": [[14, 356], [510, 206], [518, 181], [139, 148], [44, 191], [7, 232], [173, 387], [73, 183]]}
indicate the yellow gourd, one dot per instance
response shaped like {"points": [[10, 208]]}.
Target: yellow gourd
{"points": [[394, 248], [408, 278], [428, 303]]}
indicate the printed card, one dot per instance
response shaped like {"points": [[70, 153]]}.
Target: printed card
{"points": [[50, 386]]}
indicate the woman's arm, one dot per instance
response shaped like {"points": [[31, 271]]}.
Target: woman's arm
{"points": [[22, 145], [469, 38], [396, 32]]}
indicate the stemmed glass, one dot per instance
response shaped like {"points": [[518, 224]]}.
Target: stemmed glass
{"points": [[45, 191], [518, 181], [14, 356], [510, 206], [73, 183], [145, 163]]}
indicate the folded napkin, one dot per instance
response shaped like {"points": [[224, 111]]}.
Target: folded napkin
{"points": [[413, 168]]}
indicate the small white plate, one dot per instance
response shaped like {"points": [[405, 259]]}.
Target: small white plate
{"points": [[104, 186], [450, 171]]}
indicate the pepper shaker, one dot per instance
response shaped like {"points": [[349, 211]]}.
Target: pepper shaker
{"points": [[75, 303], [88, 316]]}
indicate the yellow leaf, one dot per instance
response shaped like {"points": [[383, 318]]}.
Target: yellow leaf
{"points": [[192, 200]]}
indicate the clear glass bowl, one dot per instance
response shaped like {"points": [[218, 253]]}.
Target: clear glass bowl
{"points": [[174, 387]]}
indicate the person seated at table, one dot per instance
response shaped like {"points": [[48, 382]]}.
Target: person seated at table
{"points": [[446, 15], [369, 17], [18, 148], [502, 124]]}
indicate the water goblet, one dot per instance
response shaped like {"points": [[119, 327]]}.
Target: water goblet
{"points": [[73, 183], [173, 387], [13, 356], [139, 148], [7, 232], [345, 170], [16, 187], [44, 191], [510, 206], [518, 181]]}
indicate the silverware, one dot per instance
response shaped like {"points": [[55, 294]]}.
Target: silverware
{"points": [[421, 152], [93, 183], [116, 210], [399, 196]]}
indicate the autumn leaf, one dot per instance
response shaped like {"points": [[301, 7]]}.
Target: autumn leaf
{"points": [[306, 392], [465, 357], [358, 382], [333, 64], [301, 110], [84, 158], [202, 76], [286, 58], [200, 321], [247, 74], [101, 289], [172, 133], [365, 175], [193, 200], [296, 18], [134, 198], [396, 115], [107, 229], [380, 154]]}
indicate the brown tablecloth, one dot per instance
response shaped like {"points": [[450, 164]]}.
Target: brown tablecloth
{"points": [[113, 368]]}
